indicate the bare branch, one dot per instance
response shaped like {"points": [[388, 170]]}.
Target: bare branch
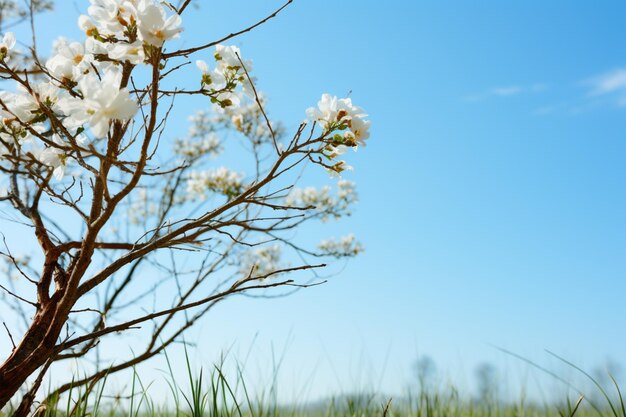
{"points": [[186, 52]]}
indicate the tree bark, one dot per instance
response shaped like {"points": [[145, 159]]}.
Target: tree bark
{"points": [[32, 352]]}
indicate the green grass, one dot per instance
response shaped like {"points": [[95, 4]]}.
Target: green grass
{"points": [[212, 394]]}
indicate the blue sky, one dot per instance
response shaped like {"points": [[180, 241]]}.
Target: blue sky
{"points": [[492, 189]]}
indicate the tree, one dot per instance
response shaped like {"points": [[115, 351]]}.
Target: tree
{"points": [[487, 381], [425, 370], [135, 227]]}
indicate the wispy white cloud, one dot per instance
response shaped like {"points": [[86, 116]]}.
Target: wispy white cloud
{"points": [[612, 84], [506, 91], [602, 90], [510, 90]]}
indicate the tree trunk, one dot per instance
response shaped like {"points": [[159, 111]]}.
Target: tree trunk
{"points": [[33, 351]]}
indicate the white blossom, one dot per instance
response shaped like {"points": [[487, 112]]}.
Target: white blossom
{"points": [[221, 83], [154, 25], [323, 201], [196, 147], [105, 13], [341, 115], [220, 180], [142, 207], [202, 66], [103, 101], [326, 111], [86, 25], [338, 168], [6, 45], [20, 105], [54, 158], [47, 93], [131, 52], [248, 119], [120, 18], [229, 66], [70, 61], [261, 261], [344, 247], [110, 17], [226, 57]]}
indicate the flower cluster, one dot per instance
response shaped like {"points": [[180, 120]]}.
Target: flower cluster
{"points": [[248, 119], [346, 246], [201, 138], [83, 87], [25, 123], [16, 9], [102, 102], [25, 134], [131, 23], [141, 207], [343, 124], [195, 147], [220, 180], [261, 261], [326, 204], [229, 72]]}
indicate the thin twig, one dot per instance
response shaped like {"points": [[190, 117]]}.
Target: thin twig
{"points": [[10, 335], [185, 52]]}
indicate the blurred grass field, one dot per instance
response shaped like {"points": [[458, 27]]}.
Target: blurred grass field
{"points": [[213, 393]]}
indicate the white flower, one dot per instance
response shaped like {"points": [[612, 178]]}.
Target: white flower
{"points": [[216, 78], [86, 25], [70, 62], [220, 180], [222, 82], [326, 110], [321, 199], [110, 17], [228, 98], [103, 101], [209, 145], [105, 15], [20, 106], [141, 207], [7, 44], [154, 25], [45, 93], [228, 60], [336, 169], [131, 52], [360, 128], [103, 11], [260, 262], [345, 247], [201, 124], [202, 66], [54, 158], [95, 47], [207, 77], [227, 55], [346, 190], [340, 114]]}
